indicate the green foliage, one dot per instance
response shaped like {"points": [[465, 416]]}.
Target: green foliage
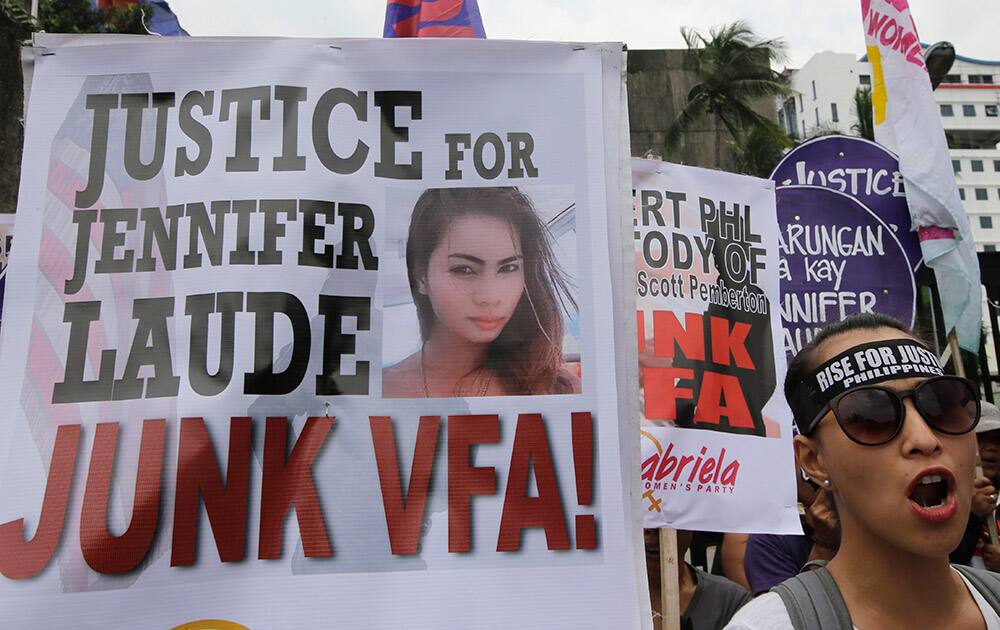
{"points": [[78, 16], [127, 19], [74, 16], [13, 12], [757, 152], [68, 16], [734, 68], [865, 127]]}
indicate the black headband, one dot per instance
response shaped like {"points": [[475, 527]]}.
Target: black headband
{"points": [[866, 364]]}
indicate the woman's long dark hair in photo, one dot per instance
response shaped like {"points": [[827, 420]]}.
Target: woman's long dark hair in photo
{"points": [[527, 355]]}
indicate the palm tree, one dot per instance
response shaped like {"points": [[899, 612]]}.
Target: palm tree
{"points": [[734, 68], [15, 24], [863, 111], [16, 13], [757, 152]]}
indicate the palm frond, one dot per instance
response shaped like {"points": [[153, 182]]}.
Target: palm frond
{"points": [[751, 120], [731, 126], [864, 127], [693, 112], [14, 11], [756, 88], [757, 153]]}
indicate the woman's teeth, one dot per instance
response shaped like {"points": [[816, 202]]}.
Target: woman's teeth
{"points": [[930, 492]]}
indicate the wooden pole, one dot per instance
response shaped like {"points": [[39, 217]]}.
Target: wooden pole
{"points": [[956, 357], [991, 519], [670, 591], [991, 524], [956, 353]]}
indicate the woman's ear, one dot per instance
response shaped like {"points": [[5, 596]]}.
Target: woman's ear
{"points": [[810, 460]]}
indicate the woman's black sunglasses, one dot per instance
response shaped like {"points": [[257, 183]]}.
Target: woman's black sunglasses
{"points": [[873, 415]]}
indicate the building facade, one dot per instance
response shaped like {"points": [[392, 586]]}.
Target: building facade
{"points": [[969, 100]]}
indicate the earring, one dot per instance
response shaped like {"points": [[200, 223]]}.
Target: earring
{"points": [[826, 482]]}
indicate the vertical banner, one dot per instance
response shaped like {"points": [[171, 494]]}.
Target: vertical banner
{"points": [[908, 122], [716, 440], [316, 334], [845, 238]]}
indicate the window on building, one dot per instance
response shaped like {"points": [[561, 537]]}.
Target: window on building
{"points": [[947, 111], [833, 112], [961, 194], [801, 106], [781, 119], [865, 79], [952, 78], [996, 165], [814, 90], [980, 78], [968, 111], [993, 111], [989, 247], [803, 129], [817, 117], [956, 165], [986, 223], [977, 166], [981, 194]]}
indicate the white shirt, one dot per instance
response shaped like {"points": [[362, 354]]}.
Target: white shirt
{"points": [[767, 612]]}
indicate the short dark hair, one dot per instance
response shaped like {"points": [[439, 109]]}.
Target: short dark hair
{"points": [[806, 360]]}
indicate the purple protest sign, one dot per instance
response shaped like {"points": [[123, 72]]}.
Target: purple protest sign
{"points": [[846, 242], [860, 168], [837, 257]]}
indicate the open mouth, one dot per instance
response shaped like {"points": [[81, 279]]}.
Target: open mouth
{"points": [[932, 495], [930, 492]]}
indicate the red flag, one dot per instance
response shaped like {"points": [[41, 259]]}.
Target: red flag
{"points": [[433, 18]]}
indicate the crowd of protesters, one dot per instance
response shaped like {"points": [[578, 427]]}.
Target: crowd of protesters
{"points": [[897, 483]]}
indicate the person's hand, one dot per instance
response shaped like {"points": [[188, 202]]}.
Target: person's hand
{"points": [[648, 358], [991, 556], [821, 516], [984, 498]]}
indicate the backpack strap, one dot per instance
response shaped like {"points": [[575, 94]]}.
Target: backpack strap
{"points": [[814, 602], [986, 582]]}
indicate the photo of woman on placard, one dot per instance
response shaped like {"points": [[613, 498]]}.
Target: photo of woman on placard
{"points": [[489, 297]]}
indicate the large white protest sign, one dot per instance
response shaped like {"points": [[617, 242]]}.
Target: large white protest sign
{"points": [[716, 435], [317, 334]]}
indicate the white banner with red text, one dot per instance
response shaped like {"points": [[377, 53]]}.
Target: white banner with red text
{"points": [[316, 333], [716, 434]]}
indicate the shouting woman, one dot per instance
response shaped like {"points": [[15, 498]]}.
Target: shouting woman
{"points": [[889, 435]]}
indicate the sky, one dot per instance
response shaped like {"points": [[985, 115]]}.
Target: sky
{"points": [[807, 26]]}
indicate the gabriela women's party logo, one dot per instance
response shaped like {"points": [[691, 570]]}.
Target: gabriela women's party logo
{"points": [[671, 470]]}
